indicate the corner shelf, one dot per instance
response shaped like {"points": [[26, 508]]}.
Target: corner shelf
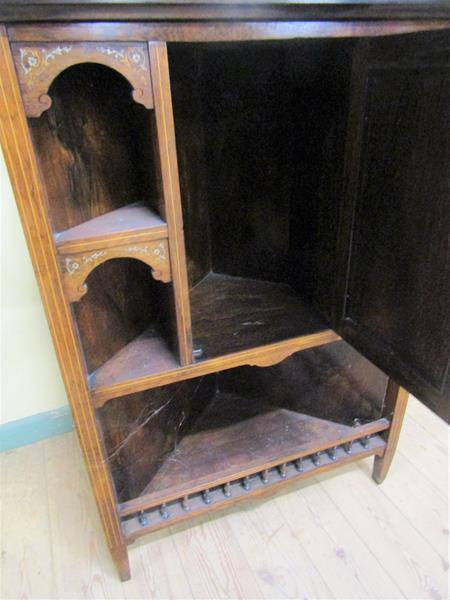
{"points": [[210, 455], [146, 362], [133, 231], [132, 223], [146, 356], [205, 469], [157, 517], [230, 314]]}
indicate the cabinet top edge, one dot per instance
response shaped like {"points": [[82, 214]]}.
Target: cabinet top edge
{"points": [[209, 10]]}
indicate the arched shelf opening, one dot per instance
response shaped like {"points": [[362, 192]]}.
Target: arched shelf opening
{"points": [[76, 268], [124, 318], [39, 66], [95, 146]]}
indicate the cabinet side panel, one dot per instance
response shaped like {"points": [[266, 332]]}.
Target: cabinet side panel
{"points": [[23, 170]]}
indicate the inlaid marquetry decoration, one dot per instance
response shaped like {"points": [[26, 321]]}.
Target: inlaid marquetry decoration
{"points": [[38, 66], [77, 267]]}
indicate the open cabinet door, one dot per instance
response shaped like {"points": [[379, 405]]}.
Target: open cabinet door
{"points": [[396, 221]]}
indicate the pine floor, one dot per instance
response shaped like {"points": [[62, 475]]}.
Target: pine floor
{"points": [[336, 536]]}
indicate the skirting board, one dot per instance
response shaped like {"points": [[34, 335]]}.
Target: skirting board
{"points": [[35, 428]]}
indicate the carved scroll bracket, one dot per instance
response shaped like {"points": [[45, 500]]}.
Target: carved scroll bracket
{"points": [[77, 267], [38, 66], [270, 359]]}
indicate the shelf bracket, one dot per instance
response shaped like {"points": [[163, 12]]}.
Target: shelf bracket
{"points": [[38, 66], [77, 267]]}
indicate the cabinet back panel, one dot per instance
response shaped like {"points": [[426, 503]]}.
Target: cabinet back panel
{"points": [[140, 430], [276, 119], [94, 146], [249, 135], [331, 382]]}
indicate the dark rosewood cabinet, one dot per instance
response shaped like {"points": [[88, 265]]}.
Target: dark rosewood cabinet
{"points": [[239, 218]]}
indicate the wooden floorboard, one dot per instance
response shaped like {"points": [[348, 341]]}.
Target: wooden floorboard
{"points": [[338, 535]]}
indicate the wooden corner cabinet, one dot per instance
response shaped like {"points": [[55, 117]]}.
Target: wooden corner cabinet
{"points": [[239, 218]]}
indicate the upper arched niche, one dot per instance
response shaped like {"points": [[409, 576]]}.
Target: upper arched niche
{"points": [[95, 146], [38, 66]]}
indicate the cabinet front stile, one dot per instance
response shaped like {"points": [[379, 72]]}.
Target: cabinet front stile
{"points": [[31, 200]]}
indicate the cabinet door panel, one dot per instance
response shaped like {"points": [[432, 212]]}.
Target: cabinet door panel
{"points": [[397, 305]]}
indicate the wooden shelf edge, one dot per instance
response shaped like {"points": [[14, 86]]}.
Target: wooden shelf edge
{"points": [[154, 499], [112, 240], [260, 356], [152, 520], [131, 224]]}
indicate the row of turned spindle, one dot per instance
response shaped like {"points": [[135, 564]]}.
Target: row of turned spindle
{"points": [[264, 475]]}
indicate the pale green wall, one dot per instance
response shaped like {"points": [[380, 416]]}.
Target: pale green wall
{"points": [[30, 379]]}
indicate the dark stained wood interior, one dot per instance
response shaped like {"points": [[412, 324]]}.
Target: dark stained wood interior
{"points": [[123, 301], [311, 398], [234, 313], [94, 146], [261, 141], [140, 430], [186, 83], [332, 382], [290, 150]]}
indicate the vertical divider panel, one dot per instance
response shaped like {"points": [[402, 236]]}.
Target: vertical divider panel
{"points": [[159, 66], [31, 201]]}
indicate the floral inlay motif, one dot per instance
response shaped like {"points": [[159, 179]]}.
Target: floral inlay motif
{"points": [[133, 57], [71, 266], [36, 59], [158, 251]]}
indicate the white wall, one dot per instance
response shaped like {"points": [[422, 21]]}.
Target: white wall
{"points": [[30, 379]]}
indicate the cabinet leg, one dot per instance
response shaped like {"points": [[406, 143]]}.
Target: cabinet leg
{"points": [[120, 557], [394, 409]]}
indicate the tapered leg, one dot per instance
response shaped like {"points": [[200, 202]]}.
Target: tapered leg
{"points": [[394, 409], [120, 557]]}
